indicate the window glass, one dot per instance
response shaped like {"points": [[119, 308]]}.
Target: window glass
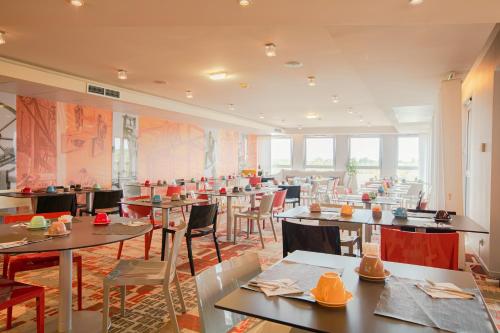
{"points": [[281, 154], [408, 157], [319, 153], [365, 152]]}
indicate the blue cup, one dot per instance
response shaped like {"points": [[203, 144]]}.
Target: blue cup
{"points": [[156, 198], [51, 189], [400, 213], [248, 188]]}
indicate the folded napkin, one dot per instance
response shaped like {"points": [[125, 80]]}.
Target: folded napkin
{"points": [[276, 287], [8, 245], [444, 290]]}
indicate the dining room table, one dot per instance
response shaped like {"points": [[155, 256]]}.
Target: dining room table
{"points": [[375, 307], [166, 205], [231, 196], [84, 234], [384, 201]]}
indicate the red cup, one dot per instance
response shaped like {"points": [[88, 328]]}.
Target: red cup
{"points": [[26, 190], [223, 190], [147, 183], [101, 218]]}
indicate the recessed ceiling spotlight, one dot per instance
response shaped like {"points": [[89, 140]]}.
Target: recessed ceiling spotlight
{"points": [[261, 116], [299, 127], [270, 50], [312, 115], [335, 99], [369, 124], [349, 110], [416, 2], [311, 81], [243, 85], [189, 94], [2, 38], [122, 74], [217, 76], [231, 107], [244, 3], [361, 120], [293, 64], [160, 82], [76, 3]]}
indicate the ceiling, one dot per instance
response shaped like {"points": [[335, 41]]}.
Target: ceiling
{"points": [[380, 57]]}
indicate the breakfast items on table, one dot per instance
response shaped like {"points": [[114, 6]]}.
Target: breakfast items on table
{"points": [[147, 182], [371, 268], [442, 216], [330, 291], [365, 197], [315, 208], [57, 228], [37, 222], [346, 210], [101, 219], [175, 197], [400, 213], [376, 212], [156, 198], [51, 189]]}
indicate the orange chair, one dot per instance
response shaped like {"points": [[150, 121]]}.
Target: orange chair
{"points": [[28, 262], [426, 249], [254, 180]]}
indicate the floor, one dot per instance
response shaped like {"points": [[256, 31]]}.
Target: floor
{"points": [[146, 308]]}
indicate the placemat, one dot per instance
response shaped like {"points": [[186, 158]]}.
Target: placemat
{"points": [[307, 276], [120, 229], [401, 299]]}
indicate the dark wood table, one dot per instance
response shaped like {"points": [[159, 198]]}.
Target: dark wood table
{"points": [[82, 236], [357, 316], [165, 207]]}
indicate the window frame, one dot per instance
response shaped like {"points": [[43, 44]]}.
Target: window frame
{"points": [[380, 157], [280, 166], [333, 166]]}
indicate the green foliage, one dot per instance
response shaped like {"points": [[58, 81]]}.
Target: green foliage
{"points": [[352, 167]]}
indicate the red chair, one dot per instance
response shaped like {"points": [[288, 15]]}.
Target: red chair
{"points": [[426, 249], [279, 201], [13, 293], [28, 262], [254, 180], [138, 212]]}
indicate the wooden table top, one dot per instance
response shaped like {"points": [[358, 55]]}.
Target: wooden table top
{"points": [[378, 200], [364, 216], [166, 204], [47, 194], [243, 193], [82, 235], [358, 315]]}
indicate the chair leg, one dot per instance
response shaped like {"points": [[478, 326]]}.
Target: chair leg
{"points": [[179, 292], [120, 249], [105, 307], [163, 239], [171, 308], [260, 233], [5, 267], [234, 229], [190, 255], [248, 227], [79, 282], [146, 243], [274, 231], [11, 276], [40, 313], [217, 250], [123, 296]]}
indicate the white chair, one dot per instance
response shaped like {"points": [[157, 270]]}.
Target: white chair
{"points": [[217, 281], [311, 195], [140, 272], [264, 212]]}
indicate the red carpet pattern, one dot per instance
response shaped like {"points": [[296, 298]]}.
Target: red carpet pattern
{"points": [[146, 307]]}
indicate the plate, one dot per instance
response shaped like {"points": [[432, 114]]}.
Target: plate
{"points": [[372, 278], [36, 228], [59, 235], [336, 305]]}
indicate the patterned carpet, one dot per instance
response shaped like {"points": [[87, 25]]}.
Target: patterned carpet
{"points": [[146, 308]]}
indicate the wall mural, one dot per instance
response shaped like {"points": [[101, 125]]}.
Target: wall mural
{"points": [[7, 141], [36, 142], [86, 145]]}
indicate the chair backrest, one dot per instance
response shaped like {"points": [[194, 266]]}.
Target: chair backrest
{"points": [[279, 198], [254, 180], [216, 282], [426, 249], [107, 199], [136, 212], [266, 204], [310, 236], [57, 203], [26, 218], [202, 216], [293, 191], [173, 189], [173, 253]]}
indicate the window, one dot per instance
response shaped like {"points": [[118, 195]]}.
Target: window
{"points": [[408, 157], [319, 153], [281, 154], [365, 152]]}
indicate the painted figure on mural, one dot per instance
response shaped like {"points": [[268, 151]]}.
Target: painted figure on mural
{"points": [[78, 117], [210, 155], [98, 142]]}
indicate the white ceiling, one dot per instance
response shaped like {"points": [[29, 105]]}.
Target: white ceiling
{"points": [[375, 55]]}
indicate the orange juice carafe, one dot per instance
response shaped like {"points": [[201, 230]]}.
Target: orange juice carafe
{"points": [[346, 210]]}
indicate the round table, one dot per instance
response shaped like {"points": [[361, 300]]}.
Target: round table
{"points": [[82, 236]]}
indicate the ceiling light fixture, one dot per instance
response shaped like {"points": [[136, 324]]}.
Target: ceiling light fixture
{"points": [[231, 107], [244, 3], [335, 99], [312, 115], [2, 38], [311, 81], [189, 94], [349, 110], [122, 74], [270, 49], [299, 127], [293, 64], [261, 116], [369, 124], [243, 85], [361, 120], [76, 3], [217, 76], [416, 2]]}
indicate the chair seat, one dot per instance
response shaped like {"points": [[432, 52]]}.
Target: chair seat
{"points": [[13, 292], [137, 272], [252, 215]]}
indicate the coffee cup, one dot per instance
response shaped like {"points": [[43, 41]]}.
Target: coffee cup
{"points": [[401, 213], [101, 218], [330, 289], [51, 189], [156, 198], [372, 266], [67, 220], [38, 221]]}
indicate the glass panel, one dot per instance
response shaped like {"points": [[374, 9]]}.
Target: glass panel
{"points": [[366, 152], [408, 158], [319, 153]]}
